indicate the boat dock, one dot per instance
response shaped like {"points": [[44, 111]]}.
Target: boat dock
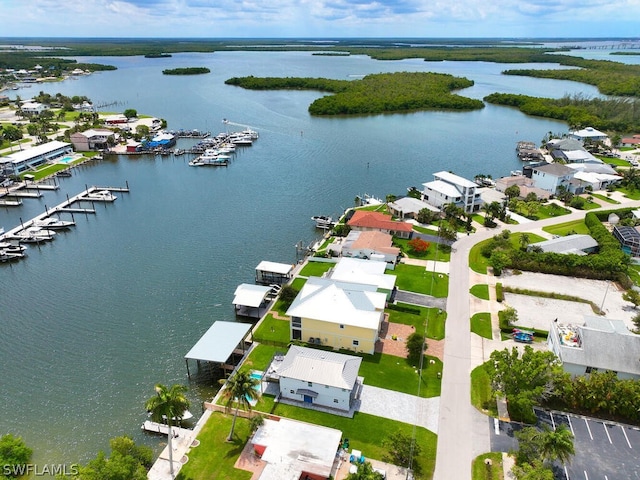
{"points": [[154, 427], [68, 206]]}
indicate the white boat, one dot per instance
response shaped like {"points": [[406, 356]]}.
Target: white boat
{"points": [[11, 248], [7, 256], [101, 196], [34, 235], [323, 221], [53, 223]]}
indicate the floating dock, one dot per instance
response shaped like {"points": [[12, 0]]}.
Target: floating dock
{"points": [[154, 427]]}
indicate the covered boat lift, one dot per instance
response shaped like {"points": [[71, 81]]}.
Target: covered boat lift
{"points": [[220, 344], [252, 300], [272, 273]]}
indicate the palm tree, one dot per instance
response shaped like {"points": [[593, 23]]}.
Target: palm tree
{"points": [[239, 390], [557, 444], [169, 404]]}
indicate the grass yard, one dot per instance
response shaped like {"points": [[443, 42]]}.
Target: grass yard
{"points": [[481, 471], [417, 279], [428, 231], [481, 325], [481, 393], [434, 317], [562, 229], [214, 457], [434, 252], [480, 291], [551, 210], [316, 269], [261, 356], [604, 198], [365, 432], [477, 262], [632, 194], [273, 331]]}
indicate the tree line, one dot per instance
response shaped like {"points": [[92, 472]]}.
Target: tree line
{"points": [[374, 94], [186, 71]]}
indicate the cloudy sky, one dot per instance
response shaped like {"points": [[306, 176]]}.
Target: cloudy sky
{"points": [[319, 18]]}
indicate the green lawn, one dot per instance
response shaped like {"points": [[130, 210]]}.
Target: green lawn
{"points": [[481, 325], [477, 262], [481, 291], [395, 373], [260, 357], [482, 471], [273, 331], [632, 194], [551, 210], [429, 231], [214, 457], [434, 317], [614, 161], [604, 198], [434, 252], [316, 269], [365, 432], [417, 279], [590, 205], [481, 394], [634, 274], [562, 229]]}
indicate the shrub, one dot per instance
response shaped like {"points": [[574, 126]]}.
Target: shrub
{"points": [[499, 292]]}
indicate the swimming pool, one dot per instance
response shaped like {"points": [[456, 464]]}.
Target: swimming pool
{"points": [[67, 159]]}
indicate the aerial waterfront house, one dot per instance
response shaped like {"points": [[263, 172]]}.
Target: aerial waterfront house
{"points": [[33, 108], [600, 344], [338, 314], [588, 134], [92, 139], [552, 176], [295, 450], [408, 207], [370, 245], [363, 272], [319, 377], [19, 162], [364, 220], [449, 188]]}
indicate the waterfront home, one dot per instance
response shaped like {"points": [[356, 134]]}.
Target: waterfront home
{"points": [[370, 245], [552, 176], [338, 314], [408, 207], [92, 139], [364, 220], [33, 157], [589, 134], [295, 450], [600, 344], [116, 120], [363, 272], [319, 377], [33, 108], [449, 188]]}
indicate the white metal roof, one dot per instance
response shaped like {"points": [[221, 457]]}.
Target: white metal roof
{"points": [[320, 366], [250, 295], [219, 342], [356, 270], [454, 179], [282, 268], [37, 151], [443, 188]]}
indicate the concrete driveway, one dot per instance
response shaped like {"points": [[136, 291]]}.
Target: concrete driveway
{"points": [[401, 407]]}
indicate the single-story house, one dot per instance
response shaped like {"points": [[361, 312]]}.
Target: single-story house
{"points": [[408, 207], [450, 188], [363, 272], [589, 134], [319, 377], [601, 344], [33, 108], [364, 220], [569, 244], [116, 120], [633, 141], [370, 245], [338, 314], [564, 144], [296, 450]]}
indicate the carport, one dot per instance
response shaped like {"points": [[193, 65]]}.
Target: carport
{"points": [[251, 300]]}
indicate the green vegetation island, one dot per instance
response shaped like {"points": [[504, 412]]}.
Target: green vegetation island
{"points": [[374, 94], [158, 55], [186, 71]]}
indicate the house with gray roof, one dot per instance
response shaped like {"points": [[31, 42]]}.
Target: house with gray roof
{"points": [[448, 188], [574, 244], [319, 377], [601, 344], [551, 176]]}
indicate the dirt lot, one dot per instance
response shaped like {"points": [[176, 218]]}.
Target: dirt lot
{"points": [[538, 312]]}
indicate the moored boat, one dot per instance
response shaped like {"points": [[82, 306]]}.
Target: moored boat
{"points": [[54, 223], [100, 196], [323, 221]]}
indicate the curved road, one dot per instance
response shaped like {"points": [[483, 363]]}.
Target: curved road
{"points": [[462, 431]]}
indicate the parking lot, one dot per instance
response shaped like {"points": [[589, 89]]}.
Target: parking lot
{"points": [[604, 450]]}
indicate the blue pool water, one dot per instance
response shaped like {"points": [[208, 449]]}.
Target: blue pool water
{"points": [[66, 159]]}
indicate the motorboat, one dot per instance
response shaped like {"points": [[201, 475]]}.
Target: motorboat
{"points": [[63, 173], [34, 235], [100, 196], [54, 223], [323, 221], [7, 256], [12, 248]]}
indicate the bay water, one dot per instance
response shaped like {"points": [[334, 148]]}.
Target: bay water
{"points": [[90, 322]]}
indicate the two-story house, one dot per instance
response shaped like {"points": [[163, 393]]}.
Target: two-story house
{"points": [[449, 188]]}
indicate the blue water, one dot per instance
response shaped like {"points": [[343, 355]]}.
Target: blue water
{"points": [[91, 321], [65, 160]]}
